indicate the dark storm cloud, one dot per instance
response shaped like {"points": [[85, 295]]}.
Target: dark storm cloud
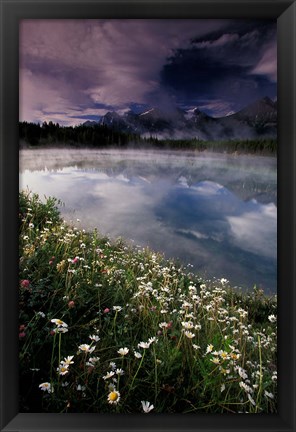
{"points": [[236, 65], [71, 70]]}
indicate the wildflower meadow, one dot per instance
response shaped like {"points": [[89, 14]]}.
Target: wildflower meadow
{"points": [[107, 327]]}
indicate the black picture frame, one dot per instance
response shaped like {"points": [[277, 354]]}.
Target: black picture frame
{"points": [[12, 11]]}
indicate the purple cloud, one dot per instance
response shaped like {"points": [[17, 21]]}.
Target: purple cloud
{"points": [[71, 69]]}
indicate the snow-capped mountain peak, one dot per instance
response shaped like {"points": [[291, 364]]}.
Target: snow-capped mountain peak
{"points": [[257, 120]]}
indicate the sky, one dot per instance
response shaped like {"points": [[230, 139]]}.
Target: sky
{"points": [[77, 70]]}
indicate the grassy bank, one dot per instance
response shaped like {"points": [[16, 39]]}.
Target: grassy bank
{"points": [[105, 327]]}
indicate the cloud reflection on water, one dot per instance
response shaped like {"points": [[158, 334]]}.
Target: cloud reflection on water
{"points": [[161, 204]]}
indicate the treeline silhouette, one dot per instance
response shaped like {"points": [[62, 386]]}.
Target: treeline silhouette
{"points": [[92, 136], [100, 136]]}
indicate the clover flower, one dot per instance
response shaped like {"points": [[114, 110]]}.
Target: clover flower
{"points": [[25, 283], [75, 260]]}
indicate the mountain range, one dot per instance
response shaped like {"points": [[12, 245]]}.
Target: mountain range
{"points": [[257, 120]]}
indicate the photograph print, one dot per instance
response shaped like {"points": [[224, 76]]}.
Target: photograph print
{"points": [[148, 216]]}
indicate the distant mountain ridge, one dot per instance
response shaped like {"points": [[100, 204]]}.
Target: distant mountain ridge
{"points": [[257, 120]]}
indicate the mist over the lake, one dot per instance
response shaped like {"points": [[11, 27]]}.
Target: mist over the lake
{"points": [[216, 212]]}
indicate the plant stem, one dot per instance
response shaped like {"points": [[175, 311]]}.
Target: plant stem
{"points": [[52, 354], [131, 386], [260, 378]]}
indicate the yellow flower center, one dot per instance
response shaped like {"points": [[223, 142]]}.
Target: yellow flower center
{"points": [[60, 322], [113, 396]]}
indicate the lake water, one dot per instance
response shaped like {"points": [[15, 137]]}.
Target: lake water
{"points": [[216, 212]]}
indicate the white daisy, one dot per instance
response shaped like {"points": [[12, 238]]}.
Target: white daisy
{"points": [[189, 334], [86, 348], [80, 387], [109, 375], [187, 325], [269, 395], [94, 338], [94, 359], [251, 399], [67, 360], [146, 406], [59, 323], [46, 387], [60, 330], [63, 369], [114, 397], [144, 345], [209, 348], [123, 351]]}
